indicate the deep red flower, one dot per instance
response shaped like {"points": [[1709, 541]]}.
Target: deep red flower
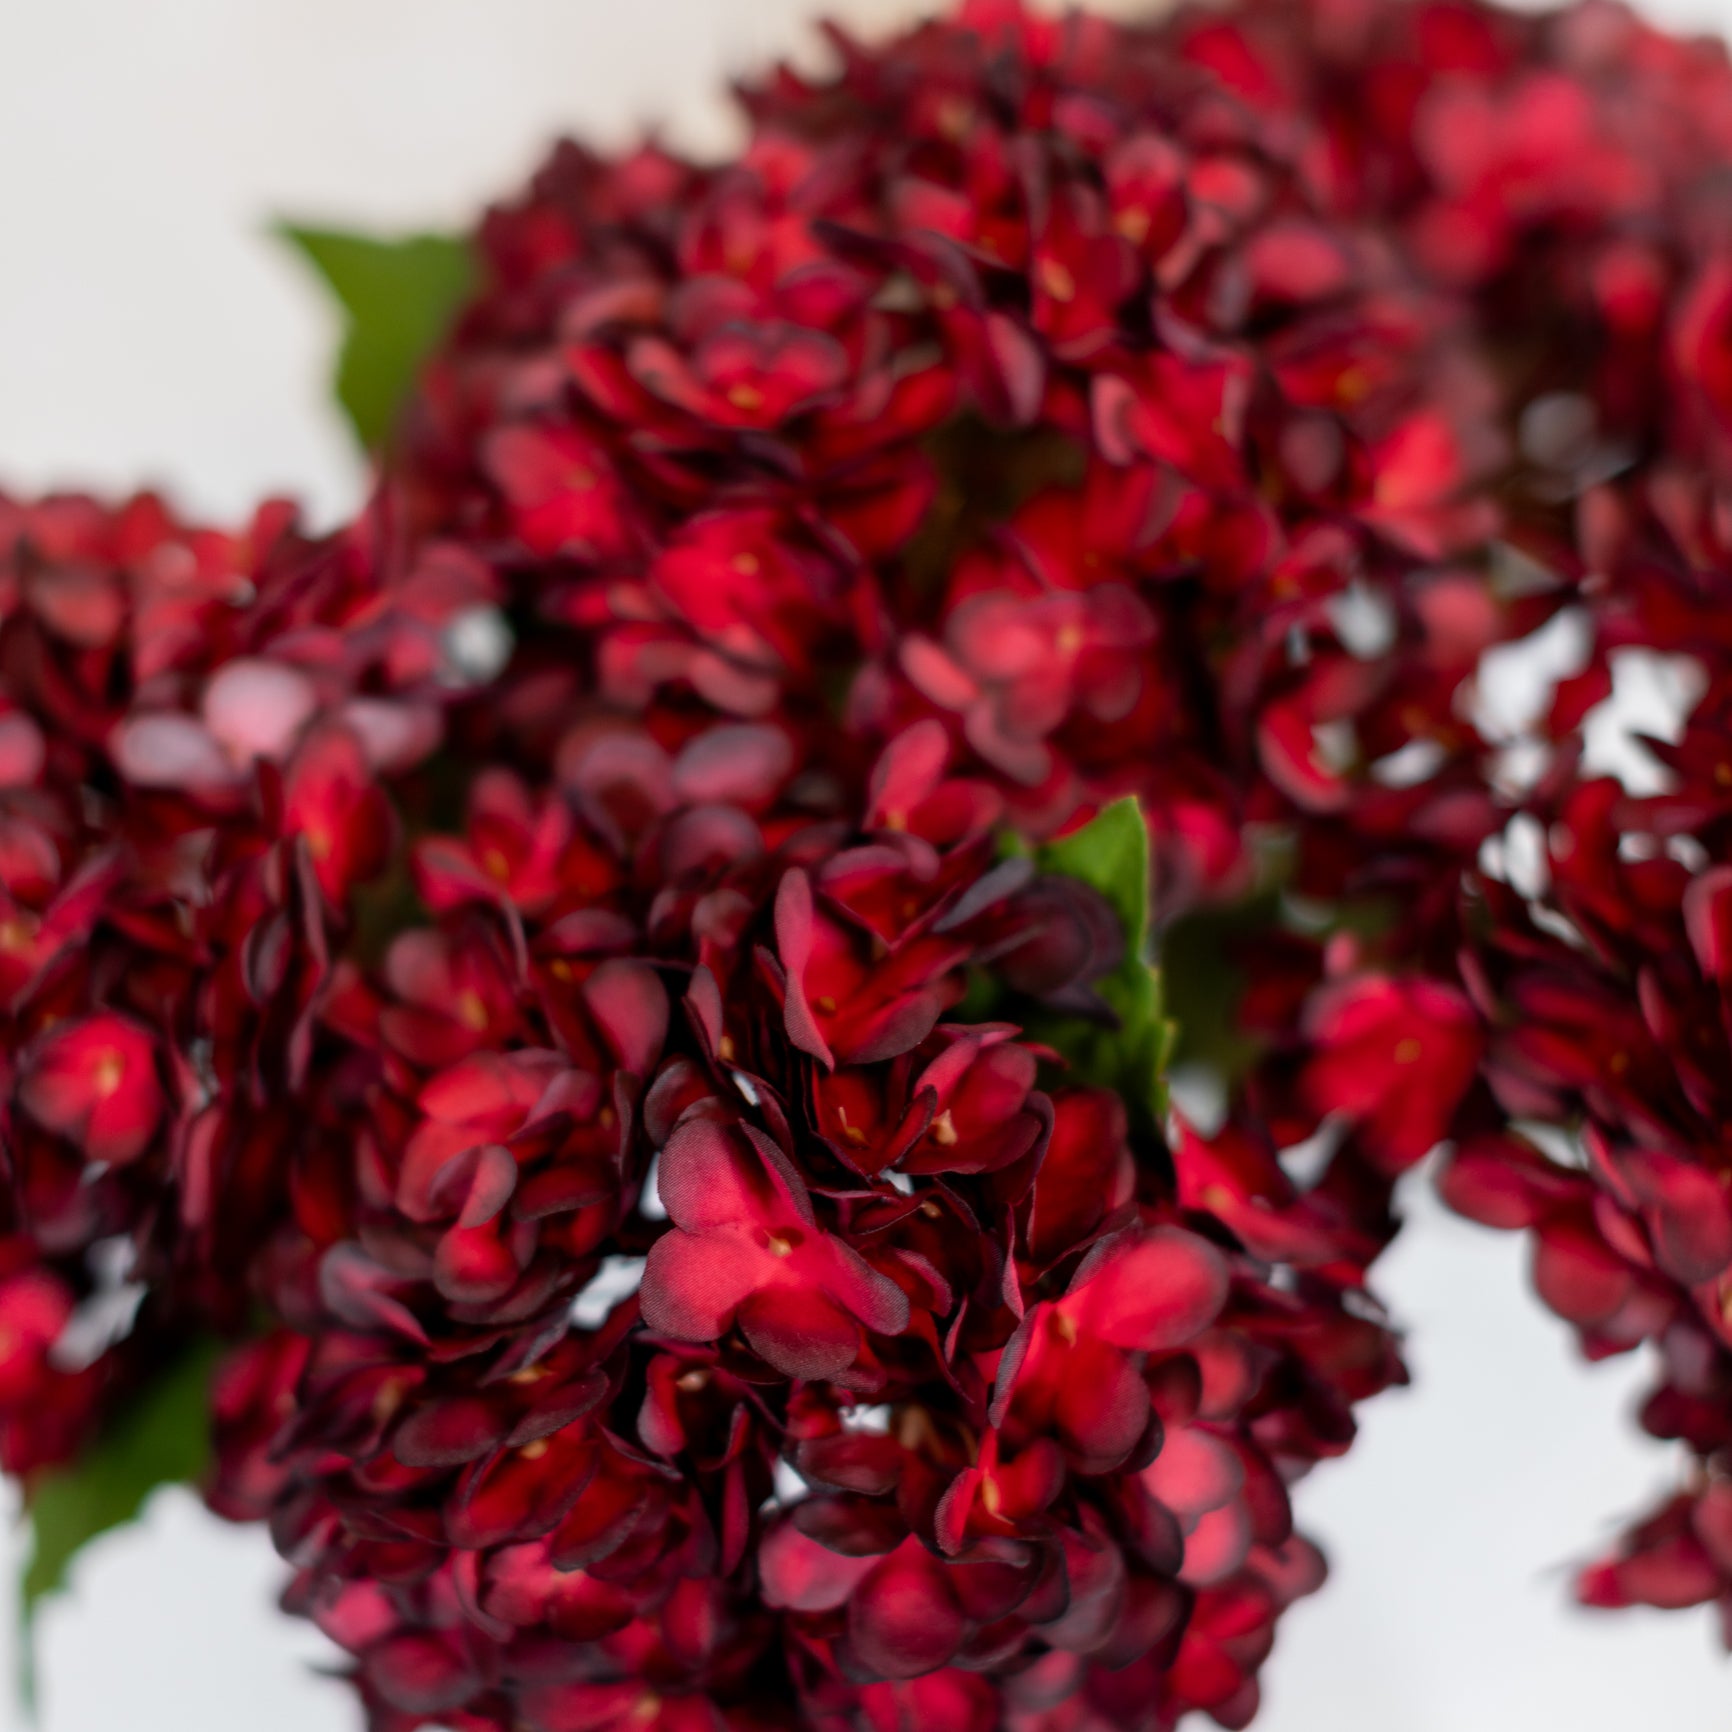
{"points": [[748, 1248], [1395, 1056], [96, 1083], [1073, 1373]]}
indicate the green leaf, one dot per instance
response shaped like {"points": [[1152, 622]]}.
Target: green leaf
{"points": [[161, 1438], [1204, 985], [1111, 854], [399, 296], [1204, 977]]}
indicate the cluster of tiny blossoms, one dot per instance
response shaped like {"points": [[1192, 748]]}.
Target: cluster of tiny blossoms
{"points": [[565, 977]]}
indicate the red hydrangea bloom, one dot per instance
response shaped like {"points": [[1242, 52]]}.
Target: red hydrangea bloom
{"points": [[719, 1238]]}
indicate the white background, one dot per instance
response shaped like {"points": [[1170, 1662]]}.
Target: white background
{"points": [[150, 332]]}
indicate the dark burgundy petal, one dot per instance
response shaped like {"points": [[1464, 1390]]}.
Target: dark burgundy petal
{"points": [[801, 1333], [446, 1433], [794, 921], [903, 1618]]}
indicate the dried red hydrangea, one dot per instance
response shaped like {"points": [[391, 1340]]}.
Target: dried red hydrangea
{"points": [[569, 977]]}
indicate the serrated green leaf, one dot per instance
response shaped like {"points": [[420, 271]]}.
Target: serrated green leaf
{"points": [[1111, 855], [161, 1438], [398, 296]]}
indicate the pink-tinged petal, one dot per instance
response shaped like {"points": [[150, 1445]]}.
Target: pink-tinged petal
{"points": [[936, 676], [1149, 1290], [437, 1168], [1194, 1472], [703, 1003], [794, 938], [692, 1287], [1294, 1569], [800, 1575], [360, 1613], [169, 751], [490, 1185], [1216, 1546], [1019, 370], [893, 1028], [22, 751], [255, 708], [394, 736], [907, 771], [734, 690], [740, 765], [489, 1092], [903, 1619], [1031, 1481], [630, 1007], [421, 1673]]}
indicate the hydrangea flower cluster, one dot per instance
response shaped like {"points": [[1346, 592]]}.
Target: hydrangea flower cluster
{"points": [[617, 983]]}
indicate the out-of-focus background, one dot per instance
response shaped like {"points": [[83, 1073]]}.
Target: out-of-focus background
{"points": [[152, 332]]}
